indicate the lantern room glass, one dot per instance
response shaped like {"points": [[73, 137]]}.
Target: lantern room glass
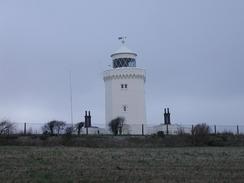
{"points": [[124, 62]]}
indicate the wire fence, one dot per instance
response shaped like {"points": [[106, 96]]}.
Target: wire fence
{"points": [[132, 129]]}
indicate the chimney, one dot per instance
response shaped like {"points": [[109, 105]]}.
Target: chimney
{"points": [[168, 115], [89, 119], [165, 116], [86, 120]]}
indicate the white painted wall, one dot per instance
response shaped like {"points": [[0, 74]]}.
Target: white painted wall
{"points": [[133, 97]]}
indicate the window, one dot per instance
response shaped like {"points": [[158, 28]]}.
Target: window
{"points": [[123, 86], [124, 108]]}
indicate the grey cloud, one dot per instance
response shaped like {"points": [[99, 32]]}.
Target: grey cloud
{"points": [[192, 52]]}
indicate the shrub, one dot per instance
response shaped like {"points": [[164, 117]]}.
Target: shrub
{"points": [[69, 130], [116, 125], [6, 127], [160, 134], [200, 134], [53, 127], [79, 126], [44, 136]]}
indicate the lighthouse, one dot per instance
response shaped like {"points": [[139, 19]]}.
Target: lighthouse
{"points": [[124, 91]]}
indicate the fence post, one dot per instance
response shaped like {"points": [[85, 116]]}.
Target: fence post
{"points": [[24, 128], [237, 129], [215, 130], [192, 127], [142, 129], [167, 129], [86, 130]]}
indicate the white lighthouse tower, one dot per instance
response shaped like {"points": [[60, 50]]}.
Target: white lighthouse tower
{"points": [[124, 91]]}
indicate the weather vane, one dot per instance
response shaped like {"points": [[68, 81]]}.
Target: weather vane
{"points": [[122, 38]]}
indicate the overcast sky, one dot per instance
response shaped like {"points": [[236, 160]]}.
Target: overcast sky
{"points": [[192, 50]]}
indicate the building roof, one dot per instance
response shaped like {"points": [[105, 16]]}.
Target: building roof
{"points": [[123, 49]]}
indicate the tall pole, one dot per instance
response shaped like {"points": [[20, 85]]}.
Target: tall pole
{"points": [[71, 98]]}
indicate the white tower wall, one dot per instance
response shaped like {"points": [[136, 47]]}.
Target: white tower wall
{"points": [[127, 101]]}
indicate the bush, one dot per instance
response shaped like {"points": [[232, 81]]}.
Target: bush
{"points": [[160, 134], [44, 137], [53, 127], [116, 125], [69, 131], [6, 127], [200, 134]]}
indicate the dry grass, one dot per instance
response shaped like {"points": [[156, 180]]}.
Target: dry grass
{"points": [[77, 164]]}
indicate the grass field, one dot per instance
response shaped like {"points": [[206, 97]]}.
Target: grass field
{"points": [[77, 164]]}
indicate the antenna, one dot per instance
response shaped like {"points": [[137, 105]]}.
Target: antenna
{"points": [[71, 99], [122, 38]]}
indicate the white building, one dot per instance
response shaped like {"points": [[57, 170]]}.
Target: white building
{"points": [[124, 91]]}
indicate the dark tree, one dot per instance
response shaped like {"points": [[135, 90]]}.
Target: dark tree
{"points": [[200, 134], [79, 127], [6, 127], [201, 130], [53, 127], [116, 125]]}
